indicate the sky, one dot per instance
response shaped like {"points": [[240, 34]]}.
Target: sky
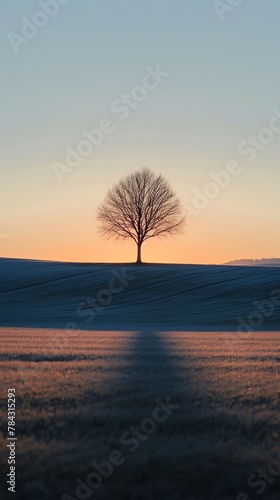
{"points": [[189, 88]]}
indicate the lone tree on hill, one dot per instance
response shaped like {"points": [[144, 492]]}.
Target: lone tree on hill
{"points": [[141, 206]]}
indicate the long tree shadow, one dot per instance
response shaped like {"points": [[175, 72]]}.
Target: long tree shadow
{"points": [[157, 398]]}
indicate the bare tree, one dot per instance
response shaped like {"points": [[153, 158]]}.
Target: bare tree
{"points": [[141, 206]]}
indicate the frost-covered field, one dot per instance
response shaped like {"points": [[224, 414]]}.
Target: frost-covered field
{"points": [[109, 297], [78, 400]]}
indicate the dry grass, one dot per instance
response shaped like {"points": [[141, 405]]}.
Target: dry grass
{"points": [[76, 397]]}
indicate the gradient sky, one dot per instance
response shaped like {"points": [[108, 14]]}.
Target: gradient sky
{"points": [[222, 87]]}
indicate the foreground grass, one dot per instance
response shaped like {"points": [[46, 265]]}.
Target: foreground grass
{"points": [[76, 397]]}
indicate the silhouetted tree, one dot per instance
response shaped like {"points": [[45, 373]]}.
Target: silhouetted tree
{"points": [[141, 206]]}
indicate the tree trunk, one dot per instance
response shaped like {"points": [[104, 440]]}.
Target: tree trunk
{"points": [[139, 261]]}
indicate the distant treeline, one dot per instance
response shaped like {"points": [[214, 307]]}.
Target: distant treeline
{"points": [[254, 262]]}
